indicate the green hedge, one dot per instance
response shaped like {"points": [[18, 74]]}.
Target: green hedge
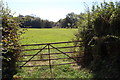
{"points": [[100, 32], [10, 43]]}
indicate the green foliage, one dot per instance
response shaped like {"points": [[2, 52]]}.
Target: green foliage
{"points": [[106, 19], [10, 37], [69, 21], [35, 22], [100, 33]]}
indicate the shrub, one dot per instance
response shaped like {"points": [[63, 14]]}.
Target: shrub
{"points": [[101, 40], [10, 43]]}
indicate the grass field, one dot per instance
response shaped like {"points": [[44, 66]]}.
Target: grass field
{"points": [[33, 36]]}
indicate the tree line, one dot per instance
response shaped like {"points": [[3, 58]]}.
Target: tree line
{"points": [[36, 22]]}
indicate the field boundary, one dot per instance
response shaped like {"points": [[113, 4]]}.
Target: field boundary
{"points": [[48, 47]]}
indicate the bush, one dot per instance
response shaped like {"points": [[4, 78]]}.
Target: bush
{"points": [[101, 40], [10, 43]]}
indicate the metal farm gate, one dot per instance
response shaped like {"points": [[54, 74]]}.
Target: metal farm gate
{"points": [[47, 54]]}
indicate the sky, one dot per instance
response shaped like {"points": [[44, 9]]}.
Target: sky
{"points": [[52, 10]]}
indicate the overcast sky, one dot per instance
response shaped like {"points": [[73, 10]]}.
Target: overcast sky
{"points": [[52, 10]]}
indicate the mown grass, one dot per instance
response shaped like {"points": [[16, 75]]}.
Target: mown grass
{"points": [[33, 36]]}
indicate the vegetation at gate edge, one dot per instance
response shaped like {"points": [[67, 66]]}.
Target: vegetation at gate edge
{"points": [[100, 32], [10, 39]]}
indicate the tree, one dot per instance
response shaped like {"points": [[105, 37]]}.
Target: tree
{"points": [[69, 21]]}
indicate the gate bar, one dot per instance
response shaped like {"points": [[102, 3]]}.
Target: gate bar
{"points": [[50, 43], [63, 52], [33, 56]]}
